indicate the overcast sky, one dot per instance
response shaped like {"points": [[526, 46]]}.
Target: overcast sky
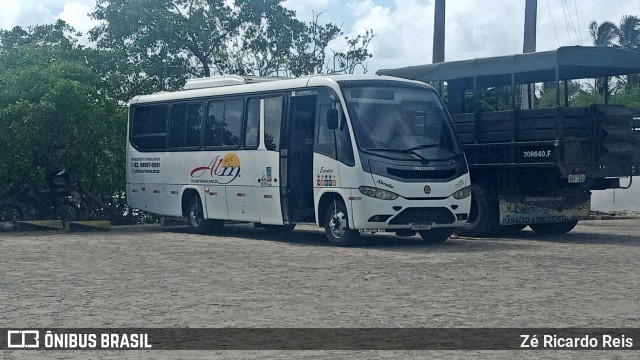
{"points": [[404, 28]]}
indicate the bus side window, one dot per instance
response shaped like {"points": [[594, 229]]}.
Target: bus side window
{"points": [[272, 122], [215, 124], [325, 140], [232, 125], [193, 127], [252, 128], [185, 125], [224, 123], [335, 143], [149, 127]]}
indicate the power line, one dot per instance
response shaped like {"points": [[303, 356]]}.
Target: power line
{"points": [[554, 23], [566, 23], [573, 25], [575, 2]]}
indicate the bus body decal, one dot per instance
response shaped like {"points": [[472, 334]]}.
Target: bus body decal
{"points": [[222, 170]]}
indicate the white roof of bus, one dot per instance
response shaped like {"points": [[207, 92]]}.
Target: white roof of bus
{"points": [[275, 85]]}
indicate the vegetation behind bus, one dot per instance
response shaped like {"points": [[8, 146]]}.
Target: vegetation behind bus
{"points": [[62, 104]]}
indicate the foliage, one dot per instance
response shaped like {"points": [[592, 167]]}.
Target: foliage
{"points": [[626, 35], [152, 45], [51, 113], [62, 104]]}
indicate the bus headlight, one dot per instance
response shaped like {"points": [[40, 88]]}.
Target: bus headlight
{"points": [[378, 193], [462, 193]]}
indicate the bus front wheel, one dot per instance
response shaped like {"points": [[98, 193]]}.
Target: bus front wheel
{"points": [[436, 236], [336, 225]]}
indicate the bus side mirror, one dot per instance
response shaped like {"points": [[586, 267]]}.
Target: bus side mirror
{"points": [[332, 119]]}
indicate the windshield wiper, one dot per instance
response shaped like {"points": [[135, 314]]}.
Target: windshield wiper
{"points": [[419, 147], [390, 150], [401, 151], [425, 146]]}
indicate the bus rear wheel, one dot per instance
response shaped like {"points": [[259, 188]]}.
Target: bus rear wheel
{"points": [[197, 223], [336, 225], [553, 228]]}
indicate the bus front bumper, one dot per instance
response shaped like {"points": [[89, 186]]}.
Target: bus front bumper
{"points": [[400, 214]]}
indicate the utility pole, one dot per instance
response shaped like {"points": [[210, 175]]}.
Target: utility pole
{"points": [[530, 19], [438, 32]]}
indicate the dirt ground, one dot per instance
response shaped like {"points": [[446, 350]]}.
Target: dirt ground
{"points": [[153, 276]]}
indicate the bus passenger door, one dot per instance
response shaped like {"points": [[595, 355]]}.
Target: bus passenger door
{"points": [[268, 160], [297, 160]]}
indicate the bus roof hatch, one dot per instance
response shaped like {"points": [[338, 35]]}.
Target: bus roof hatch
{"points": [[225, 80]]}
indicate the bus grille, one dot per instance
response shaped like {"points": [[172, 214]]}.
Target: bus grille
{"points": [[438, 215], [422, 174]]}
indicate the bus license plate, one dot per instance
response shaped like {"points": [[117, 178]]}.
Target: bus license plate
{"points": [[420, 226], [580, 178]]}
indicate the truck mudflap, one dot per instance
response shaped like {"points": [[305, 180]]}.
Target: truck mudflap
{"points": [[539, 209]]}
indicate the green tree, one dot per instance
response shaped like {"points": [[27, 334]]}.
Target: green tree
{"points": [[153, 45], [52, 113], [579, 95], [628, 32], [625, 35], [604, 34]]}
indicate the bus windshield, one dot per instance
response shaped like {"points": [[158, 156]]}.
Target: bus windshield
{"points": [[400, 119]]}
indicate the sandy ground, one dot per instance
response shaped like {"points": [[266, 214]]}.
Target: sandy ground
{"points": [[152, 276]]}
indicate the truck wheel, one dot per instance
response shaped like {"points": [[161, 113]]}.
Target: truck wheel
{"points": [[483, 217], [553, 228], [436, 236], [197, 223], [336, 225], [510, 229]]}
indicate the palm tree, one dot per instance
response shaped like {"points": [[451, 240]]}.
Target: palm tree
{"points": [[628, 32], [603, 34], [626, 35]]}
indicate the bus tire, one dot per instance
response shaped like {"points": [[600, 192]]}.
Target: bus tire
{"points": [[553, 228], [483, 216], [195, 216], [436, 236], [336, 225]]}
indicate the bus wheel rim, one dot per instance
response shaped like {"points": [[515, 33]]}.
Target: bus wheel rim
{"points": [[337, 224]]}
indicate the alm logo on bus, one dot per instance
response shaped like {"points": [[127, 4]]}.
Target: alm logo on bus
{"points": [[222, 169]]}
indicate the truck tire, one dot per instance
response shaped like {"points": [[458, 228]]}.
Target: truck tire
{"points": [[336, 225], [436, 236], [483, 217], [553, 228], [510, 229]]}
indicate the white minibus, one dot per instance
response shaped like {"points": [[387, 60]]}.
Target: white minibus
{"points": [[350, 153]]}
